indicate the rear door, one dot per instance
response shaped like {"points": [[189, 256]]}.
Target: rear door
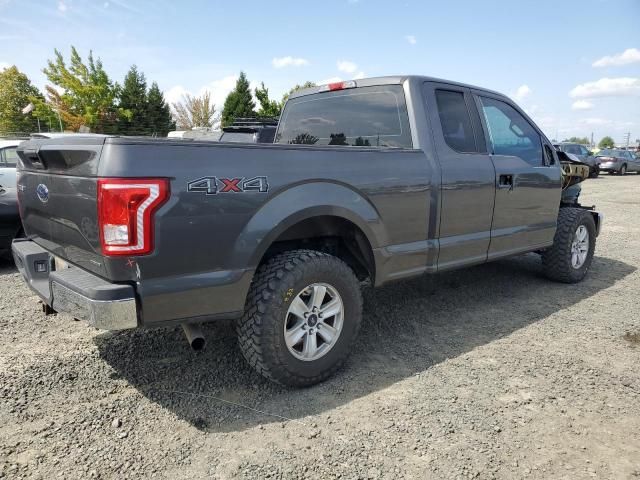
{"points": [[468, 175], [527, 179]]}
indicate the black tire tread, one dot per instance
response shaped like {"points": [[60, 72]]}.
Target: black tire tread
{"points": [[253, 340], [556, 259]]}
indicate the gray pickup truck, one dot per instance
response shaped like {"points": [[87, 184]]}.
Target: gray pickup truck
{"points": [[377, 180]]}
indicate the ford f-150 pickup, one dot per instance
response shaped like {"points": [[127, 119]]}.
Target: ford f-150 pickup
{"points": [[372, 180]]}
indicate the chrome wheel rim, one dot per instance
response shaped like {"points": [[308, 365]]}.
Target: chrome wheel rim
{"points": [[313, 322], [580, 247]]}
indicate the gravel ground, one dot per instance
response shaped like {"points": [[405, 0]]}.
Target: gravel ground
{"points": [[490, 372]]}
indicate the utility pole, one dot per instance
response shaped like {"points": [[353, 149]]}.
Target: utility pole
{"points": [[592, 144], [627, 137]]}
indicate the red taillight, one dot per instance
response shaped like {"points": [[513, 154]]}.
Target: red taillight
{"points": [[125, 213]]}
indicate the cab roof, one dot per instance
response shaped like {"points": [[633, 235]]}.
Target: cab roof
{"points": [[392, 80]]}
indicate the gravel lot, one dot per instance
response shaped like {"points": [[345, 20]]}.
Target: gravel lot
{"points": [[490, 372]]}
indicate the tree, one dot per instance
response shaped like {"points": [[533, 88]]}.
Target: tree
{"points": [[195, 112], [606, 142], [133, 102], [159, 121], [85, 96], [268, 108], [16, 92], [580, 140], [239, 103], [306, 84]]}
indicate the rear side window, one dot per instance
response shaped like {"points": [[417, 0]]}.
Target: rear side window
{"points": [[455, 121], [511, 134], [361, 117], [9, 157]]}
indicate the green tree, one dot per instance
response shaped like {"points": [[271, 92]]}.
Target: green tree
{"points": [[85, 95], [268, 108], [239, 103], [16, 92], [580, 140], [606, 142], [159, 121], [133, 102], [306, 84], [193, 112]]}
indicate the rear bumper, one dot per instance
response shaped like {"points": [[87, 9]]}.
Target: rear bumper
{"points": [[74, 291], [610, 166]]}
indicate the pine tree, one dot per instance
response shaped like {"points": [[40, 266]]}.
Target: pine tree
{"points": [[133, 102], [159, 119], [239, 102]]}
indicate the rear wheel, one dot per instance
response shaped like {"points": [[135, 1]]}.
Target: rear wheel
{"points": [[623, 170], [569, 258], [595, 172], [302, 315]]}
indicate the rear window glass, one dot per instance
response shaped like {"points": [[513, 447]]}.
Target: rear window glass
{"points": [[361, 117], [455, 121]]}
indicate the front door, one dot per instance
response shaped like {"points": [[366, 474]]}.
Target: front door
{"points": [[468, 176], [528, 179]]}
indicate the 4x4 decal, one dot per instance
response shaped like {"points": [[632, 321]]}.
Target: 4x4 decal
{"points": [[214, 185]]}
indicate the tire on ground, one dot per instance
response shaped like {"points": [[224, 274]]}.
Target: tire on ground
{"points": [[556, 260], [275, 285]]}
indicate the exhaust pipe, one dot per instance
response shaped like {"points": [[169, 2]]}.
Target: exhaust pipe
{"points": [[194, 335]]}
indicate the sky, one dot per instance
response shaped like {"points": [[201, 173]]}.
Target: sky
{"points": [[573, 65]]}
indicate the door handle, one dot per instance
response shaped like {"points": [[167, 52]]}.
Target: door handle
{"points": [[506, 181]]}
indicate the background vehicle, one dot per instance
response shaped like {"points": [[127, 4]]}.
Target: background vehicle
{"points": [[10, 226], [250, 130], [199, 133], [380, 179], [583, 154], [618, 161]]}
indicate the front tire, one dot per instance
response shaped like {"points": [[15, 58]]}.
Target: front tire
{"points": [[284, 334], [594, 173], [569, 258]]}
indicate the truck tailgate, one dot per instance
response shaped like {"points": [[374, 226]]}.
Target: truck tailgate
{"points": [[57, 197]]}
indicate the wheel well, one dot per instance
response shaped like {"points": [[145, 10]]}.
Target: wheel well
{"points": [[334, 235]]}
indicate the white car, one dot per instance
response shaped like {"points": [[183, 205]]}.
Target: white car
{"points": [[10, 225]]}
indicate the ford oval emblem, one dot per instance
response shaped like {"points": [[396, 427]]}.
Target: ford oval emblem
{"points": [[43, 193]]}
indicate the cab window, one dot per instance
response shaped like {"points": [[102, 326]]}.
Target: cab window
{"points": [[455, 121], [510, 133]]}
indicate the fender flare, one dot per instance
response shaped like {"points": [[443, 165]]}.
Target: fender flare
{"points": [[301, 202]]}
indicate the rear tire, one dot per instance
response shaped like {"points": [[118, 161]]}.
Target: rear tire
{"points": [[569, 258], [280, 286], [594, 173], [623, 170]]}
